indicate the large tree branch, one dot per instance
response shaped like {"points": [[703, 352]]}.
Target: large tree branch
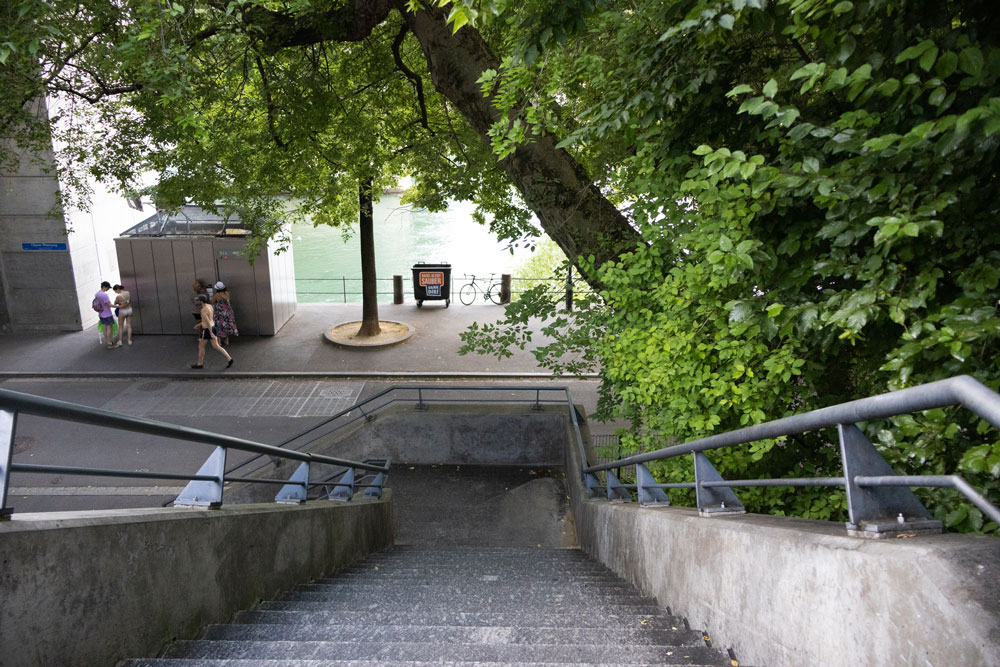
{"points": [[569, 206], [266, 89], [350, 22], [418, 83]]}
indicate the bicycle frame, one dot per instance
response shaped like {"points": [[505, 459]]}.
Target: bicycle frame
{"points": [[468, 296]]}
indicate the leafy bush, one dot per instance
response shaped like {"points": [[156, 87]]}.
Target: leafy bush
{"points": [[816, 183]]}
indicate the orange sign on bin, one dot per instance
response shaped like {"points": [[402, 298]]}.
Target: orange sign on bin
{"points": [[431, 278]]}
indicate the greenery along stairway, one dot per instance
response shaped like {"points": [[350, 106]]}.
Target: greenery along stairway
{"points": [[453, 605]]}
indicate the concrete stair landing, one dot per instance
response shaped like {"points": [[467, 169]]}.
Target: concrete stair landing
{"points": [[467, 606]]}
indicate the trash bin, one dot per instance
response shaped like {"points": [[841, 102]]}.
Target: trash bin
{"points": [[431, 282]]}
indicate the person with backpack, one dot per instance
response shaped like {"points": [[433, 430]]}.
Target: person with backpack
{"points": [[102, 306]]}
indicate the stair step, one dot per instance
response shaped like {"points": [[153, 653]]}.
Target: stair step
{"points": [[474, 556], [379, 577], [522, 618], [442, 608], [486, 582], [546, 556], [461, 606], [459, 573], [402, 602], [638, 635], [484, 590], [424, 550], [224, 662], [433, 652]]}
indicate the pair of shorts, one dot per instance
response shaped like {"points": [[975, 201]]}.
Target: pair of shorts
{"points": [[107, 321], [205, 334], [126, 312]]}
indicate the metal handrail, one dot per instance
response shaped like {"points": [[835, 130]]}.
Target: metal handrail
{"points": [[858, 456], [13, 403], [580, 287]]}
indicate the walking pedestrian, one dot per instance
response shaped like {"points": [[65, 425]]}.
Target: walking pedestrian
{"points": [[207, 332], [225, 316], [102, 306], [123, 306], [199, 287]]}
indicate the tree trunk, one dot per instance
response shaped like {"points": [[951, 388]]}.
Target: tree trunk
{"points": [[369, 288], [570, 208]]}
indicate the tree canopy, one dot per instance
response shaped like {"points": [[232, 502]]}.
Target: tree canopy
{"points": [[816, 186], [238, 101]]}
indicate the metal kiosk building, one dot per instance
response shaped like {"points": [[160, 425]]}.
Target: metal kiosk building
{"points": [[162, 256]]}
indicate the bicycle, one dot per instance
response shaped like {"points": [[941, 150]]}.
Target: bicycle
{"points": [[490, 293]]}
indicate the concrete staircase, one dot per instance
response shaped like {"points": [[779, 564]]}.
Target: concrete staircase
{"points": [[453, 606]]}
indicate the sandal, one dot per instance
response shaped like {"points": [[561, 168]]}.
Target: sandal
{"points": [[197, 365]]}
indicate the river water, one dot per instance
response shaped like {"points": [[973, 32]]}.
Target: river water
{"points": [[327, 267]]}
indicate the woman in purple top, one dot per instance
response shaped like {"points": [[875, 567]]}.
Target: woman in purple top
{"points": [[107, 317]]}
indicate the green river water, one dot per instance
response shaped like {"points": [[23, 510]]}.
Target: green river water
{"points": [[326, 266]]}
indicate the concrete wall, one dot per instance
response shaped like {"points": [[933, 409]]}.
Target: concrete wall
{"points": [[39, 289], [51, 290], [457, 434], [784, 591], [91, 588], [443, 434]]}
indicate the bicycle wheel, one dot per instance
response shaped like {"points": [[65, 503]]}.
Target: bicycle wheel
{"points": [[467, 294], [493, 293]]}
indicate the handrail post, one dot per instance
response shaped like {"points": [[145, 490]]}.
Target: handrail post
{"points": [[375, 490], [649, 495], [344, 490], [538, 400], [420, 400], [593, 483], [8, 426], [617, 492], [877, 511], [713, 500], [200, 493], [297, 488]]}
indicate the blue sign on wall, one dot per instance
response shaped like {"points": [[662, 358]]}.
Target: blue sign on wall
{"points": [[43, 246]]}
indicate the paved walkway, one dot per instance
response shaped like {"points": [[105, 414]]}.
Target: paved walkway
{"points": [[298, 348], [278, 386]]}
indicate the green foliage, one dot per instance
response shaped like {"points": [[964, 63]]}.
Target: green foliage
{"points": [[193, 95], [547, 265], [816, 182]]}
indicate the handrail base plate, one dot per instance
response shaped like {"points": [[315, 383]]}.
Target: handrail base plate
{"points": [[893, 529], [708, 512]]}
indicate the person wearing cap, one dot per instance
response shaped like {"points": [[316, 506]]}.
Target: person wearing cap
{"points": [[199, 287], [225, 316], [207, 332]]}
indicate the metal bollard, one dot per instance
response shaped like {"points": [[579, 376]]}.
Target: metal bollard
{"points": [[504, 288], [397, 289], [569, 288]]}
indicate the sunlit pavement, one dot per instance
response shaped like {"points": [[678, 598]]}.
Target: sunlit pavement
{"points": [[299, 347], [278, 386]]}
